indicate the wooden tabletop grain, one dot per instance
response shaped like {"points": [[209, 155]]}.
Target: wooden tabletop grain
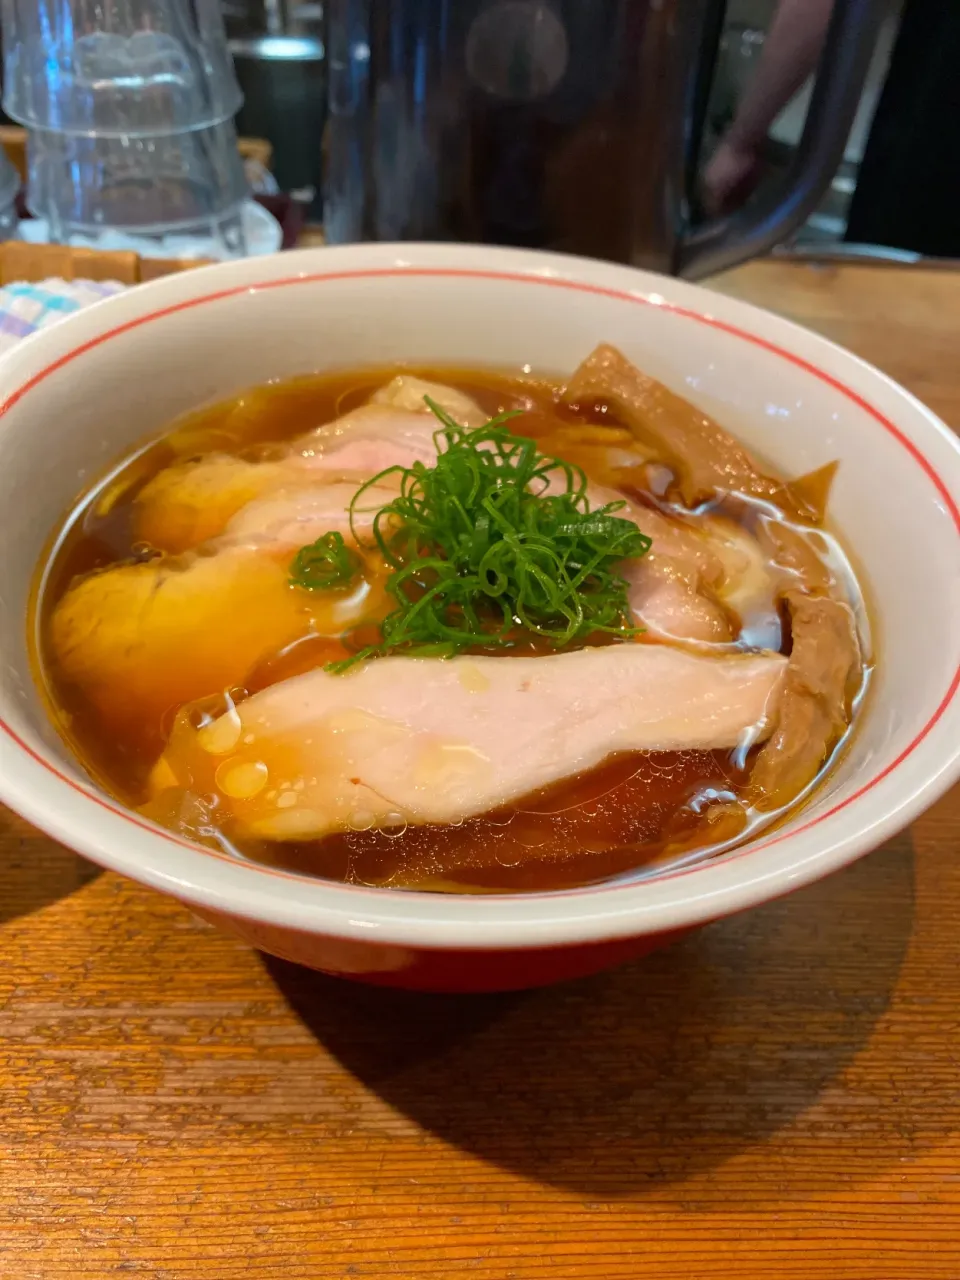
{"points": [[776, 1096]]}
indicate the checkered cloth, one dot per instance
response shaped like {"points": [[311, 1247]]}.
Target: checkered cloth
{"points": [[25, 308]]}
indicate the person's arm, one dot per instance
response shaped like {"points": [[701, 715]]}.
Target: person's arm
{"points": [[790, 53]]}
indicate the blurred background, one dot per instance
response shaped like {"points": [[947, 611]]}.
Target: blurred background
{"points": [[741, 46], [497, 120]]}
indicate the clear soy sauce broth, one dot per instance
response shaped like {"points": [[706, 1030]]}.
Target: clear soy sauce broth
{"points": [[634, 812]]}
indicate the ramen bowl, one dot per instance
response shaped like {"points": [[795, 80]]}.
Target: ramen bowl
{"points": [[77, 397]]}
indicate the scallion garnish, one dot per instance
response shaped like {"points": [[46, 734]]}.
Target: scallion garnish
{"points": [[325, 564], [493, 541]]}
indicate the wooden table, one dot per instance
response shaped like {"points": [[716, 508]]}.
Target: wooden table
{"points": [[778, 1096]]}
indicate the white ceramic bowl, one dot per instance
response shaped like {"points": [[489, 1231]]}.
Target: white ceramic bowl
{"points": [[78, 396]]}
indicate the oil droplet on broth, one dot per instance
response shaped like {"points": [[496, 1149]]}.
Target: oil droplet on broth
{"points": [[242, 781], [361, 820], [220, 736], [441, 763]]}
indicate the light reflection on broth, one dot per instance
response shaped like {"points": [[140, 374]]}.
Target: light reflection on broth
{"points": [[135, 715]]}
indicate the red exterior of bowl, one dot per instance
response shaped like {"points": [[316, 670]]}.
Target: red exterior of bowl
{"points": [[456, 972]]}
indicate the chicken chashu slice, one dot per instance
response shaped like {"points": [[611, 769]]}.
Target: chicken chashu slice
{"points": [[195, 501], [140, 639], [190, 502], [406, 740]]}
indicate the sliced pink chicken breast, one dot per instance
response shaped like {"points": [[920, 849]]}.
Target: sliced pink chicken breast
{"points": [[409, 392], [670, 587], [287, 519], [406, 740], [191, 502], [367, 441], [178, 627], [666, 600]]}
